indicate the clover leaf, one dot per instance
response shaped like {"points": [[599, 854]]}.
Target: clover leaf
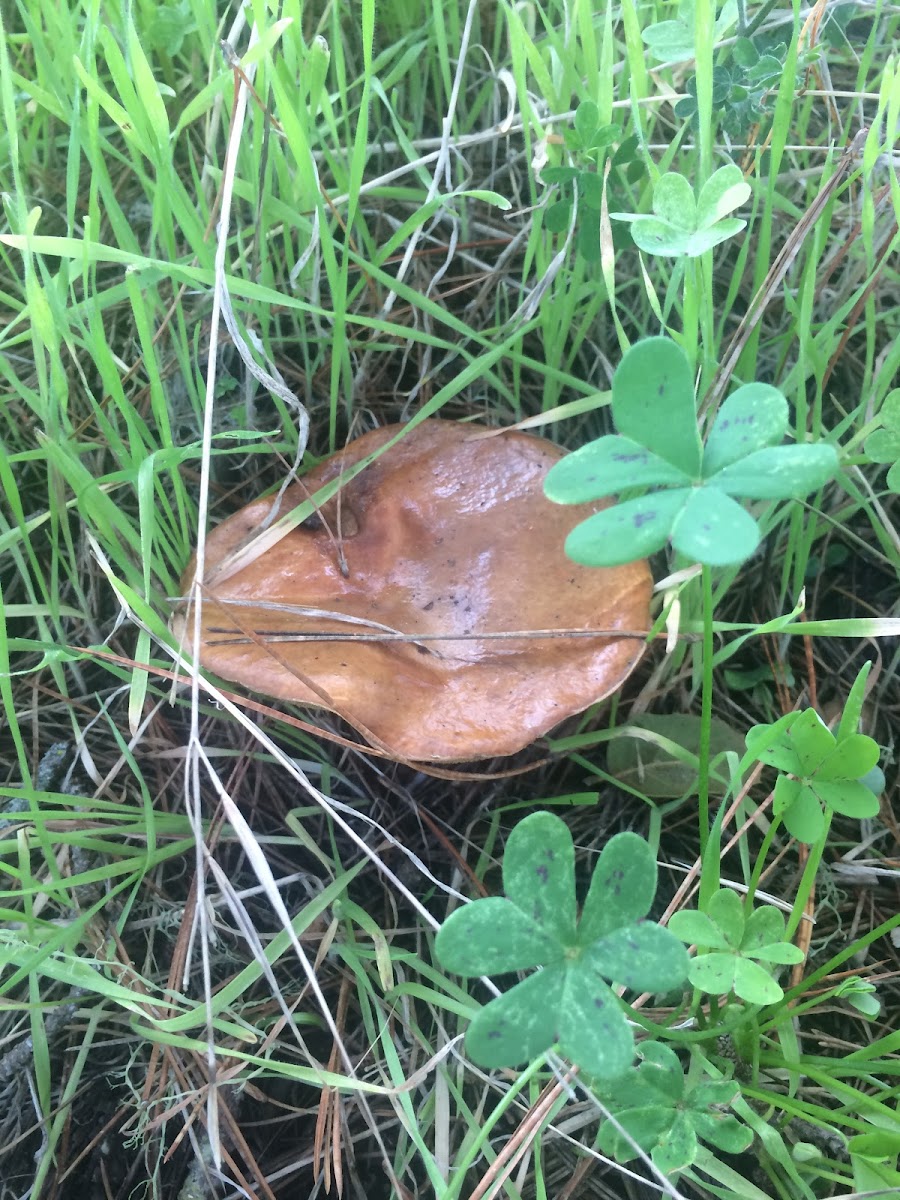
{"points": [[743, 89], [859, 994], [670, 41], [683, 225], [883, 446], [589, 144], [658, 445], [667, 1115], [733, 941], [587, 136], [567, 1002], [823, 771]]}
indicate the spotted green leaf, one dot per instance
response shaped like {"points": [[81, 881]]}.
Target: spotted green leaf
{"points": [[778, 472], [520, 1024], [606, 466], [653, 403], [714, 529], [626, 531], [569, 1002], [493, 935], [752, 418], [622, 888], [539, 875], [660, 1112]]}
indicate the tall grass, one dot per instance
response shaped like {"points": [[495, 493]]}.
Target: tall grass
{"points": [[213, 916]]}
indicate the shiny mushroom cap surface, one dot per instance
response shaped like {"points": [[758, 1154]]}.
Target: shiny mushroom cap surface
{"points": [[447, 537]]}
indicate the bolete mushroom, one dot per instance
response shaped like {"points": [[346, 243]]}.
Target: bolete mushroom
{"points": [[390, 608]]}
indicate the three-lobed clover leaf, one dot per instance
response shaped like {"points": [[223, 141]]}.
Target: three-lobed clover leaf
{"points": [[658, 445], [667, 1115], [683, 225], [823, 771], [883, 446], [587, 136], [736, 944], [568, 1002]]}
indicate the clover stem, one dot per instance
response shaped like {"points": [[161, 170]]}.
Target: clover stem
{"points": [[654, 830], [762, 857], [703, 281], [714, 1017], [807, 883], [698, 317], [690, 311], [705, 707], [509, 1099]]}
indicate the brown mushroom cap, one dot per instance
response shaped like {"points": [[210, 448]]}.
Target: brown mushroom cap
{"points": [[445, 534]]}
